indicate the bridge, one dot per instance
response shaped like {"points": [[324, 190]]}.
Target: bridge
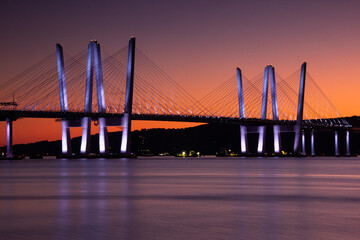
{"points": [[61, 86]]}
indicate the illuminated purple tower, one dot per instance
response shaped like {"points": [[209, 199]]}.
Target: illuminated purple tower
{"points": [[298, 127], [243, 129], [269, 71], [275, 111], [94, 64], [126, 122], [65, 131]]}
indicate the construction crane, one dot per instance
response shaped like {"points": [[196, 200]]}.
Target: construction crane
{"points": [[13, 103]]}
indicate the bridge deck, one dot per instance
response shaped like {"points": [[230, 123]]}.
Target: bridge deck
{"points": [[16, 114]]}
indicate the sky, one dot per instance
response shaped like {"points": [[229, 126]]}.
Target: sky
{"points": [[199, 43]]}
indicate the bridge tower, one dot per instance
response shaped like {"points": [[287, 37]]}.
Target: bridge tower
{"points": [[94, 64], [126, 122], [298, 127], [261, 129], [275, 111], [243, 129], [269, 71], [65, 131]]}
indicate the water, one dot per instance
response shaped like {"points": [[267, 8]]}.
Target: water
{"points": [[175, 198]]}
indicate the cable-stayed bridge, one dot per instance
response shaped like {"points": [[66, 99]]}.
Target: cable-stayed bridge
{"points": [[129, 86]]}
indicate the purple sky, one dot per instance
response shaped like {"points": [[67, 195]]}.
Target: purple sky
{"points": [[198, 43]]}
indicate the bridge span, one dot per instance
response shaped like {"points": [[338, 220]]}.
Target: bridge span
{"points": [[160, 107]]}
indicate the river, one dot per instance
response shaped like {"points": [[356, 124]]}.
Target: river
{"points": [[181, 198]]}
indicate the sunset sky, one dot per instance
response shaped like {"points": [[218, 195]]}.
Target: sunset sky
{"points": [[199, 43]]}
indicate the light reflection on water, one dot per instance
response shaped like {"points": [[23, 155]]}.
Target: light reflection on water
{"points": [[175, 198]]}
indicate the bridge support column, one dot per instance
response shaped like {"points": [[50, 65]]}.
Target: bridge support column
{"points": [[126, 134], [347, 139], [312, 143], [125, 138], [303, 149], [336, 138], [277, 140], [86, 134], [9, 138], [65, 138], [298, 126], [65, 132], [261, 142], [103, 137], [243, 140]]}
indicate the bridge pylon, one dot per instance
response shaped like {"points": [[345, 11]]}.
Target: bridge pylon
{"points": [[300, 111], [126, 122], [269, 73], [275, 111], [94, 64], [262, 129], [65, 131], [243, 128]]}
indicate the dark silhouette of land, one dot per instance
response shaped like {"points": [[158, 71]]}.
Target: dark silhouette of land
{"points": [[208, 139]]}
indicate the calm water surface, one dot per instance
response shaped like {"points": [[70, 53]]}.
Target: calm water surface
{"points": [[175, 198]]}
